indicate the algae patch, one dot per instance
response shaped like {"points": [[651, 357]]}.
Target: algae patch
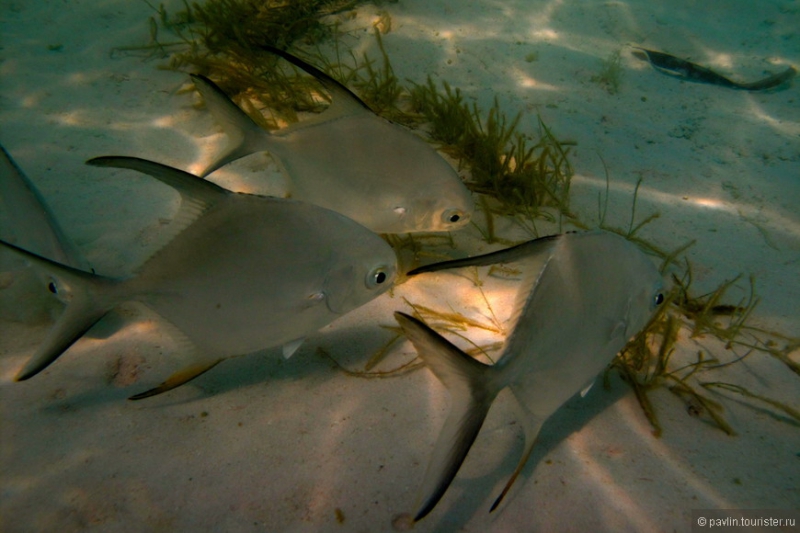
{"points": [[610, 74]]}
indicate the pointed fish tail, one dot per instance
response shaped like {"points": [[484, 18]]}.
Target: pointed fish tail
{"points": [[245, 137], [76, 320], [472, 389], [88, 298]]}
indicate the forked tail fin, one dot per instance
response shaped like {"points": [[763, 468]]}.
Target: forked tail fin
{"points": [[245, 137], [472, 390], [88, 298]]}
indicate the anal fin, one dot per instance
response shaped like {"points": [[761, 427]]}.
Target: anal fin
{"points": [[525, 456], [532, 424], [177, 379]]}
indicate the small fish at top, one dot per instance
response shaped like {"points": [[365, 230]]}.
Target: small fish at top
{"points": [[27, 221], [242, 273], [583, 297], [680, 68], [350, 160]]}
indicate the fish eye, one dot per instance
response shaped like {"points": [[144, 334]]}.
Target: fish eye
{"points": [[52, 287], [451, 216], [659, 299], [377, 277]]}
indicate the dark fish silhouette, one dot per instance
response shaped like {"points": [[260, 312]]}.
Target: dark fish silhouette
{"points": [[680, 68]]}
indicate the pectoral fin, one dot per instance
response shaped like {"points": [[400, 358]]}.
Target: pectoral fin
{"points": [[290, 347]]}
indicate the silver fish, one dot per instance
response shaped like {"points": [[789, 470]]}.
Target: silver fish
{"points": [[27, 221], [351, 161], [686, 70], [245, 273], [588, 294]]}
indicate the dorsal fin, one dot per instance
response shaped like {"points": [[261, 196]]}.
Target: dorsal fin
{"points": [[197, 194], [506, 255], [344, 101], [190, 187]]}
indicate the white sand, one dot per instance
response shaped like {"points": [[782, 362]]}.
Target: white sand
{"points": [[262, 444]]}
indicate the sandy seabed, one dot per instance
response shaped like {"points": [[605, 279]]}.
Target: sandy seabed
{"points": [[266, 444]]}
